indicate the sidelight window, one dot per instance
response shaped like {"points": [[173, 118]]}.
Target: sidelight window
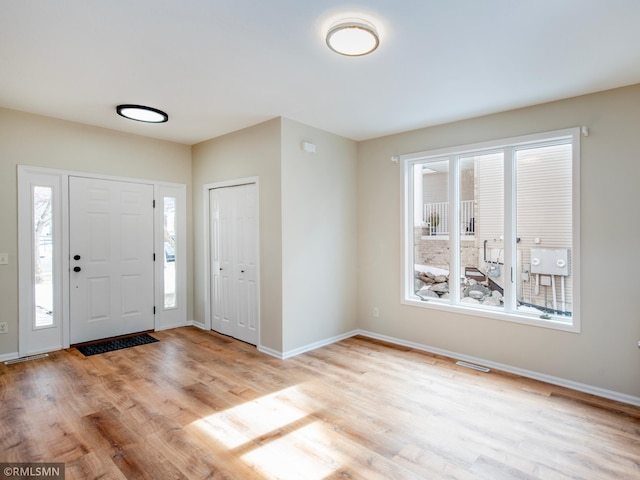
{"points": [[43, 256], [170, 278]]}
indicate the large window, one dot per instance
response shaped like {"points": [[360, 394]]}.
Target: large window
{"points": [[492, 229]]}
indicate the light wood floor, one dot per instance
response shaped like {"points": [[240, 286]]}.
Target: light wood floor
{"points": [[200, 405]]}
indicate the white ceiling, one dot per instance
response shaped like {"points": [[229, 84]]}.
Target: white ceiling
{"points": [[216, 66]]}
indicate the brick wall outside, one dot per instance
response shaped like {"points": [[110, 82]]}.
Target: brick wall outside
{"points": [[435, 253]]}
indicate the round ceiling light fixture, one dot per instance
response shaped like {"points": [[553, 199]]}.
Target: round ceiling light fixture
{"points": [[352, 37], [140, 113]]}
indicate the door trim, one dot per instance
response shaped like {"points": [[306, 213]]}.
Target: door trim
{"points": [[207, 325], [28, 176]]}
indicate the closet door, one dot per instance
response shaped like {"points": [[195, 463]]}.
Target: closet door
{"points": [[234, 257]]}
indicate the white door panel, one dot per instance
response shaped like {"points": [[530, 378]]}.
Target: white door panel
{"points": [[234, 254], [111, 231], [247, 257]]}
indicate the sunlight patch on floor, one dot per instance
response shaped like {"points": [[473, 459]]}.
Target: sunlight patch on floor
{"points": [[290, 457], [244, 423], [277, 435]]}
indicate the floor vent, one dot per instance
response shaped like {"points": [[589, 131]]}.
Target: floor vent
{"points": [[25, 359], [474, 367]]}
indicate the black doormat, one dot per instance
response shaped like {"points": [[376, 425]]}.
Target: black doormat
{"points": [[116, 344]]}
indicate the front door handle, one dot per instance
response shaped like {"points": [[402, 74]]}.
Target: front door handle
{"points": [[76, 269], [76, 257]]}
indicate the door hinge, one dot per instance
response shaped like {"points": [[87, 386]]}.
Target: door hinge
{"points": [[154, 204], [154, 257], [154, 310]]}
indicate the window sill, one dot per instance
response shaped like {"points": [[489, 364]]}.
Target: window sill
{"points": [[555, 323]]}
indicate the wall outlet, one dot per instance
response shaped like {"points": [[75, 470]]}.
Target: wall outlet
{"points": [[376, 312], [4, 327]]}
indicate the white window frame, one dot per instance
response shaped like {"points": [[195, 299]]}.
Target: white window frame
{"points": [[32, 341], [174, 316], [508, 146]]}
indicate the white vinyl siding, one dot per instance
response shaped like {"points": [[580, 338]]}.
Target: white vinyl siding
{"points": [[435, 187], [544, 204], [489, 222]]}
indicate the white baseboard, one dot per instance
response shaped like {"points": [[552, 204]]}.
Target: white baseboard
{"points": [[9, 356], [14, 355], [319, 344], [270, 351], [199, 325], [561, 382], [306, 348]]}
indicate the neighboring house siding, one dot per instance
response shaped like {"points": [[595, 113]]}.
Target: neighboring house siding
{"points": [[435, 187], [489, 219], [544, 206]]}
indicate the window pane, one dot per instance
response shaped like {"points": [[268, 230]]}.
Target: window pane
{"points": [[431, 230], [544, 227], [43, 256], [481, 230], [170, 280]]}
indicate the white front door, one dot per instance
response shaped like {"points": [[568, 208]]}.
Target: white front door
{"points": [[111, 250], [234, 261]]}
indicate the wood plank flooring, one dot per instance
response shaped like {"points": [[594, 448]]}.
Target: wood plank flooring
{"points": [[199, 405]]}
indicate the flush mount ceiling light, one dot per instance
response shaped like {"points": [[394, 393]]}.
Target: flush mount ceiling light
{"points": [[352, 37], [141, 113]]}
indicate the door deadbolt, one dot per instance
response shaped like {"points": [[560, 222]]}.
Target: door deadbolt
{"points": [[76, 257]]}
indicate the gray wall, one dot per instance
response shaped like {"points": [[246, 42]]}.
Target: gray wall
{"points": [[253, 151], [307, 227], [27, 139], [605, 354], [318, 235]]}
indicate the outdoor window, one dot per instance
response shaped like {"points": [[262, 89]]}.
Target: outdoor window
{"points": [[504, 217], [170, 278], [43, 264]]}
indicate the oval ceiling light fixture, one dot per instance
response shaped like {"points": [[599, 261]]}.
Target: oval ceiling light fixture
{"points": [[140, 113], [352, 37]]}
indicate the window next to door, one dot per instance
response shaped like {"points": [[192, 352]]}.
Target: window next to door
{"points": [[43, 258], [171, 255], [170, 279], [41, 267], [492, 229]]}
